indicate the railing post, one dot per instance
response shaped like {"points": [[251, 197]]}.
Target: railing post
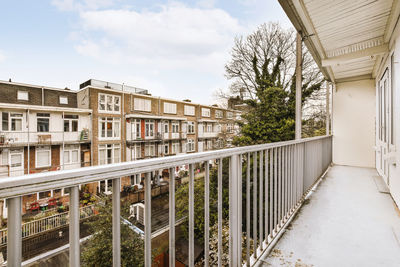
{"points": [[220, 212], [14, 232], [234, 212], [116, 221], [171, 217], [74, 250], [147, 220], [191, 215], [206, 213]]}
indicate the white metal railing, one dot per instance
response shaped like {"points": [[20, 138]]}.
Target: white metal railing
{"points": [[277, 177], [49, 223], [208, 134], [42, 138]]}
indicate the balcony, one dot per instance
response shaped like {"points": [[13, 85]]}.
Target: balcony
{"points": [[349, 220], [43, 138], [277, 176], [208, 134]]}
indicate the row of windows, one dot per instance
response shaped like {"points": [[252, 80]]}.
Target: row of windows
{"points": [[24, 95], [141, 104], [14, 157], [12, 121]]}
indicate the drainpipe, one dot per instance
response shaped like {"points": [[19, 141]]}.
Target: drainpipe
{"points": [[123, 123], [63, 146], [27, 123], [42, 96], [298, 84]]}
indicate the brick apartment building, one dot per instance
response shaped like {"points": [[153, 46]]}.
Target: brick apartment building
{"points": [[46, 129]]}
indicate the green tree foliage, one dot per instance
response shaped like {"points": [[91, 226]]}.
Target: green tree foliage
{"points": [[97, 251], [182, 201], [262, 67]]}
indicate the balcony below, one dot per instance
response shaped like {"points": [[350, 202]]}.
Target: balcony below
{"points": [[350, 220]]}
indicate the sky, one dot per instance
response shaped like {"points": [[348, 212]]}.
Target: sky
{"points": [[175, 49]]}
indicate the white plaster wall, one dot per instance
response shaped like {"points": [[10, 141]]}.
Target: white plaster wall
{"points": [[353, 121]]}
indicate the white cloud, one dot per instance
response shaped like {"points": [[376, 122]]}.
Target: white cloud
{"points": [[175, 36]]}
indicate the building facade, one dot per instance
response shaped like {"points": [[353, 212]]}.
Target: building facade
{"points": [[46, 129]]}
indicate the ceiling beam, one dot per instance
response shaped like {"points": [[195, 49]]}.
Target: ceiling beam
{"points": [[392, 21], [368, 52], [354, 78]]}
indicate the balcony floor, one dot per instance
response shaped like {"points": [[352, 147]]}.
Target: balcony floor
{"points": [[345, 222]]}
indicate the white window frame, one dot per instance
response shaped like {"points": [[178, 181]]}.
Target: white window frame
{"points": [[149, 126], [205, 112], [42, 149], [112, 106], [136, 151], [70, 120], [175, 127], [166, 149], [191, 127], [41, 115], [189, 110], [190, 145], [12, 116], [7, 156], [209, 144], [150, 150], [63, 100], [115, 134], [142, 104], [175, 147], [229, 127], [169, 108], [209, 128], [136, 129], [229, 114], [219, 114], [70, 149], [23, 95], [113, 148]]}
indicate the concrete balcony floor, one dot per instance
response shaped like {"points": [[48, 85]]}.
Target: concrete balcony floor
{"points": [[347, 221]]}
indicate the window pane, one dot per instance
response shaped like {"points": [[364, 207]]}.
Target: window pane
{"points": [[117, 153], [42, 125], [116, 103], [116, 129], [66, 157], [16, 124], [75, 156], [43, 158], [109, 103], [74, 126], [44, 194], [109, 129], [5, 121], [66, 125], [16, 160]]}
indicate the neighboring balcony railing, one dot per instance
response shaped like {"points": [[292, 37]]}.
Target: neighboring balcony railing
{"points": [[276, 176], [42, 138], [208, 134], [46, 224]]}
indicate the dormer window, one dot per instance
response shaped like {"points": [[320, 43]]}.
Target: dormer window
{"points": [[23, 95], [63, 100]]}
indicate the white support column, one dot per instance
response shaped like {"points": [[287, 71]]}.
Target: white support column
{"points": [[116, 221], [327, 108], [298, 84], [74, 251], [14, 234]]}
